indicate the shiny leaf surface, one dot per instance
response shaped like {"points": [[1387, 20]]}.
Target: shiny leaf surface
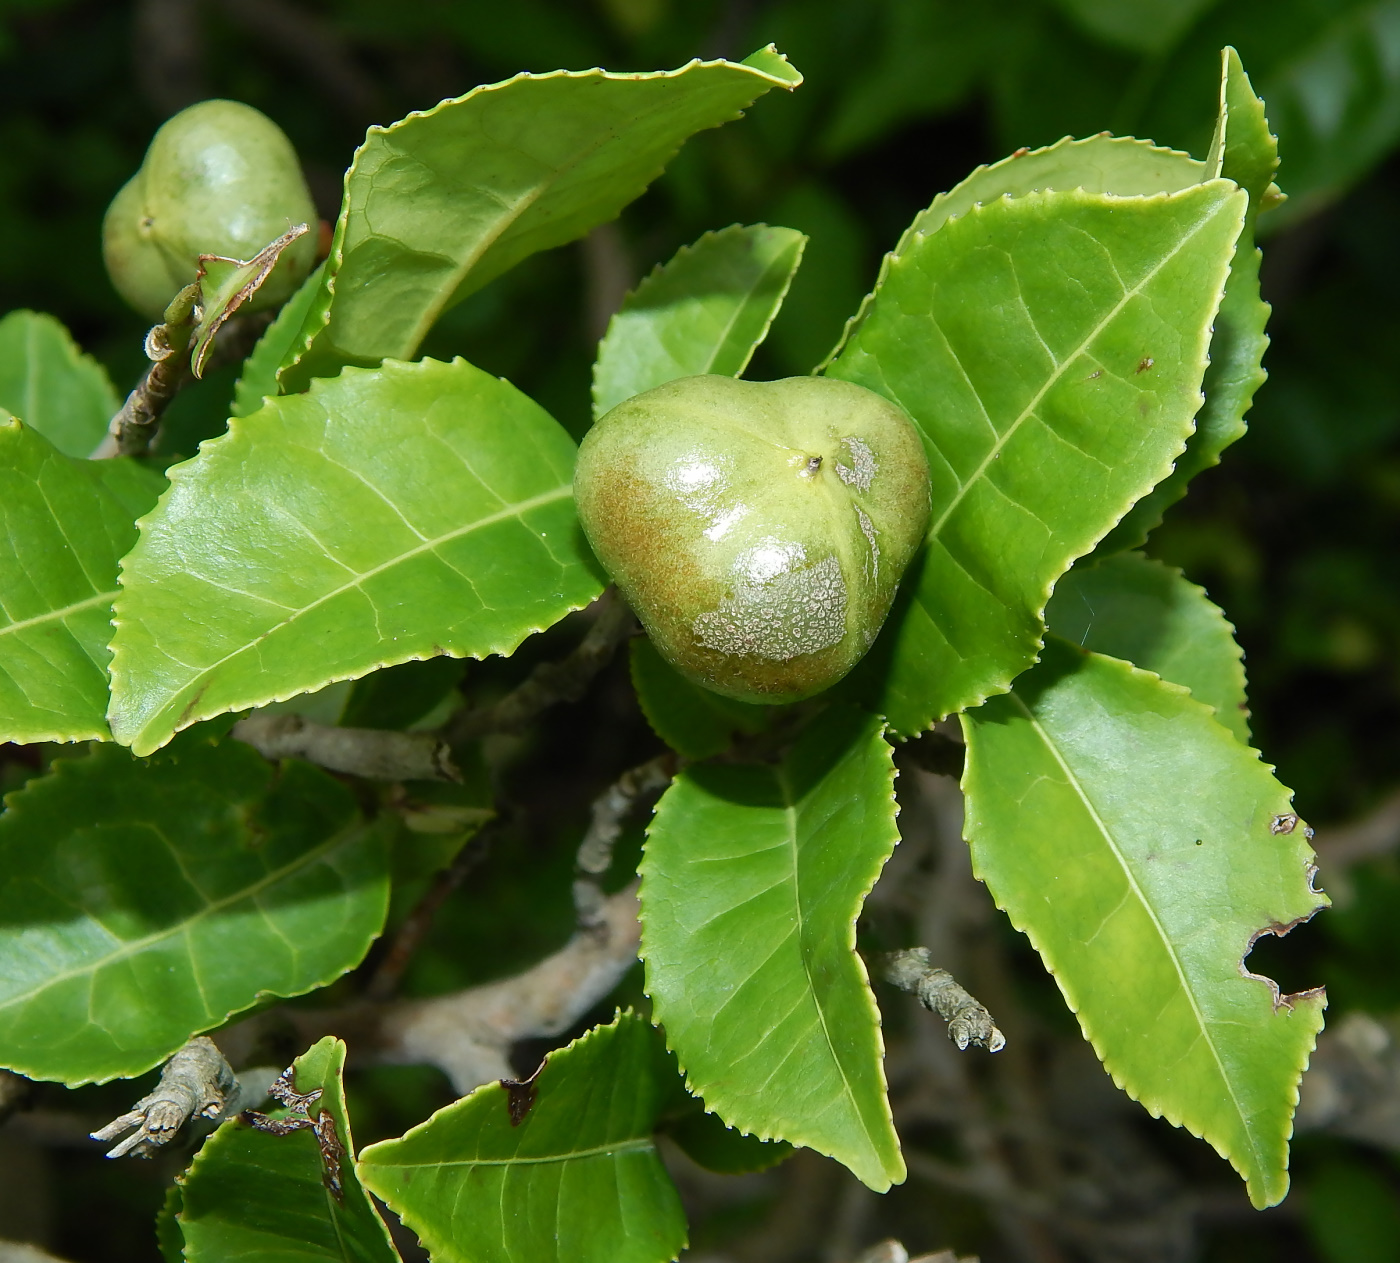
{"points": [[1143, 849], [65, 523], [291, 553], [251, 1195], [577, 1180], [752, 879], [1130, 607], [1051, 348], [48, 383], [705, 311], [447, 199], [144, 902]]}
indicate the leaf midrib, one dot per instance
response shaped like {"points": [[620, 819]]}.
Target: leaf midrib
{"points": [[1070, 358], [748, 301], [1145, 903], [639, 1144], [516, 510], [211, 907], [790, 816], [101, 598]]}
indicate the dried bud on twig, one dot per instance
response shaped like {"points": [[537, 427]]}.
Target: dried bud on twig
{"points": [[939, 992]]}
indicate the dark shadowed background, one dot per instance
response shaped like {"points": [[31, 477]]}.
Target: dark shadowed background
{"points": [[1297, 535]]}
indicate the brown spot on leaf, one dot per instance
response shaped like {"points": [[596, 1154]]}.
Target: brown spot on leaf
{"points": [[1145, 363], [520, 1095], [1283, 824], [1021, 152]]}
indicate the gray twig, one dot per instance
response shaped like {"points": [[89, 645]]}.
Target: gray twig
{"points": [[939, 992], [551, 682], [133, 429], [196, 1082], [468, 1034], [376, 754], [612, 807]]}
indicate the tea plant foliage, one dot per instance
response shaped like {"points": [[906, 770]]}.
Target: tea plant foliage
{"points": [[1075, 331]]}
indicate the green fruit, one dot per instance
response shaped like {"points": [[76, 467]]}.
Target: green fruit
{"points": [[219, 178], [759, 529]]}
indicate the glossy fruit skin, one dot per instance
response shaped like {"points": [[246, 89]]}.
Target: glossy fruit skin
{"points": [[758, 529], [219, 178]]}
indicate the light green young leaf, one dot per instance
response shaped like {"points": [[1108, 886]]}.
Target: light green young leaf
{"points": [[48, 383], [447, 199], [578, 1180], [65, 523], [1143, 849], [225, 285], [1243, 151], [1127, 606], [258, 380], [251, 1195], [1116, 165], [1051, 349], [752, 879], [705, 311], [390, 514], [144, 902], [692, 720]]}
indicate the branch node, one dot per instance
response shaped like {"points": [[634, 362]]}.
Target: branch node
{"points": [[375, 754]]}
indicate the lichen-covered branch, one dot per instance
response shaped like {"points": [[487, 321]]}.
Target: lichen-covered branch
{"points": [[939, 992], [551, 682], [610, 811], [375, 754], [468, 1034]]}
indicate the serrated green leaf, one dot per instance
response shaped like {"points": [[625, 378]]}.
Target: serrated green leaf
{"points": [[1116, 165], [144, 902], [1130, 607], [445, 200], [578, 1180], [170, 1241], [391, 514], [692, 720], [705, 311], [48, 383], [752, 879], [1051, 348], [251, 1195], [65, 523], [1143, 849], [258, 381], [1243, 151]]}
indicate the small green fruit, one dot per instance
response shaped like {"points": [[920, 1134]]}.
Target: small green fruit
{"points": [[759, 529], [219, 178]]}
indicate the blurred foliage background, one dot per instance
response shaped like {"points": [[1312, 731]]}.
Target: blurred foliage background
{"points": [[1297, 535]]}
